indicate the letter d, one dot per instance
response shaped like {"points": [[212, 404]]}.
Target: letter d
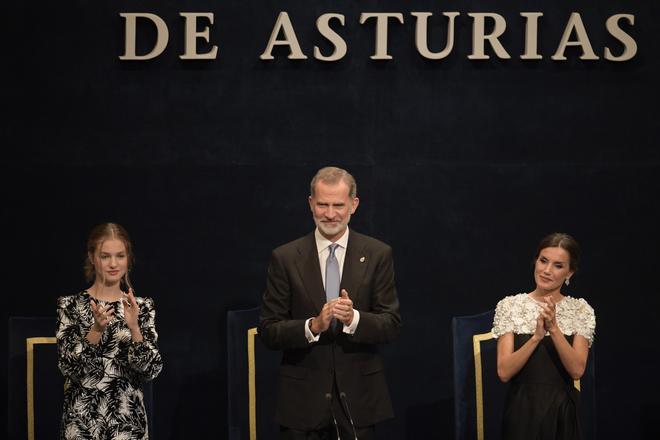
{"points": [[131, 25]]}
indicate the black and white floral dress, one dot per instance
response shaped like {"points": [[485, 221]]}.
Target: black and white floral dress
{"points": [[103, 383], [541, 401]]}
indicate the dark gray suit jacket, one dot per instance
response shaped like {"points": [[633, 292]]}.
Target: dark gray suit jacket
{"points": [[294, 293]]}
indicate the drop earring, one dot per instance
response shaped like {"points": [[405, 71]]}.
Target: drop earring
{"points": [[567, 282]]}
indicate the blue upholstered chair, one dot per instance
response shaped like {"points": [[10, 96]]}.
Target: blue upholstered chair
{"points": [[252, 373], [478, 392], [35, 383]]}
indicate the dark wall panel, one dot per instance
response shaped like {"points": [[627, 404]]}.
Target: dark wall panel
{"points": [[462, 166]]}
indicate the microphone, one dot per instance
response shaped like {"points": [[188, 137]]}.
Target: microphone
{"points": [[342, 396], [328, 397]]}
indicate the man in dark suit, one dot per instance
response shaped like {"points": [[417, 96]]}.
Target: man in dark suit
{"points": [[330, 299]]}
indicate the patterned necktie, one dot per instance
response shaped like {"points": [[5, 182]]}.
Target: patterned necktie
{"points": [[332, 274]]}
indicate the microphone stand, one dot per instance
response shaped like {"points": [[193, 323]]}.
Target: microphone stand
{"points": [[328, 397], [343, 398]]}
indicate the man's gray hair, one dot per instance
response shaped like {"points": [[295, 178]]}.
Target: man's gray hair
{"points": [[332, 175]]}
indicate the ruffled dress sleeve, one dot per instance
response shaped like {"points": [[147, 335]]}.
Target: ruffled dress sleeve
{"points": [[144, 357], [503, 320], [585, 321], [78, 360]]}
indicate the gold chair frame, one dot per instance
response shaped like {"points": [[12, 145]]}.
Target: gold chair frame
{"points": [[252, 386], [29, 345], [478, 380]]}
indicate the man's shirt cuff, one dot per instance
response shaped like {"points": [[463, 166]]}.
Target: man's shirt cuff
{"points": [[350, 329], [308, 333]]}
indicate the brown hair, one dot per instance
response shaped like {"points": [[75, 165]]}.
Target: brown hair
{"points": [[101, 233], [333, 175], [564, 241]]}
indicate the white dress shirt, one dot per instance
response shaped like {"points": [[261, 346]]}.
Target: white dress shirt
{"points": [[323, 247]]}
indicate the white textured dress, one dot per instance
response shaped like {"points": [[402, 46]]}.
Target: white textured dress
{"points": [[541, 401]]}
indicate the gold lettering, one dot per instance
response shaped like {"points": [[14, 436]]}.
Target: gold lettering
{"points": [[283, 23], [192, 35], [421, 35], [479, 36], [340, 48], [382, 19], [129, 35], [531, 36], [629, 44], [575, 22]]}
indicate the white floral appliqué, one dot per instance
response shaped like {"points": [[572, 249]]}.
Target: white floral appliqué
{"points": [[518, 313]]}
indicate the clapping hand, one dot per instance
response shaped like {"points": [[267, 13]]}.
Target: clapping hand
{"points": [[103, 314], [340, 308], [322, 322], [131, 310], [343, 310], [548, 312]]}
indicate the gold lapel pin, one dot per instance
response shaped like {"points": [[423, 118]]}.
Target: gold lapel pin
{"points": [[362, 259]]}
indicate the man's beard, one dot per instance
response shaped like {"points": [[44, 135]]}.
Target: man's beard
{"points": [[331, 230]]}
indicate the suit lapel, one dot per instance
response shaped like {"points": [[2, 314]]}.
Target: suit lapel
{"points": [[355, 265], [310, 271]]}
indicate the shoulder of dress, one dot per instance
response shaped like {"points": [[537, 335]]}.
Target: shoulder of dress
{"points": [[585, 306], [67, 300], [146, 300], [578, 304], [583, 302], [510, 299]]}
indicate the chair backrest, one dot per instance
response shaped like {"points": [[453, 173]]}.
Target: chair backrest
{"points": [[252, 373], [35, 384], [588, 397], [479, 394]]}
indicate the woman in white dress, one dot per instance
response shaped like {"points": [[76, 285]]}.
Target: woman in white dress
{"points": [[543, 343]]}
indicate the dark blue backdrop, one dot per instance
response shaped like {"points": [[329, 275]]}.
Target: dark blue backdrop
{"points": [[461, 166]]}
